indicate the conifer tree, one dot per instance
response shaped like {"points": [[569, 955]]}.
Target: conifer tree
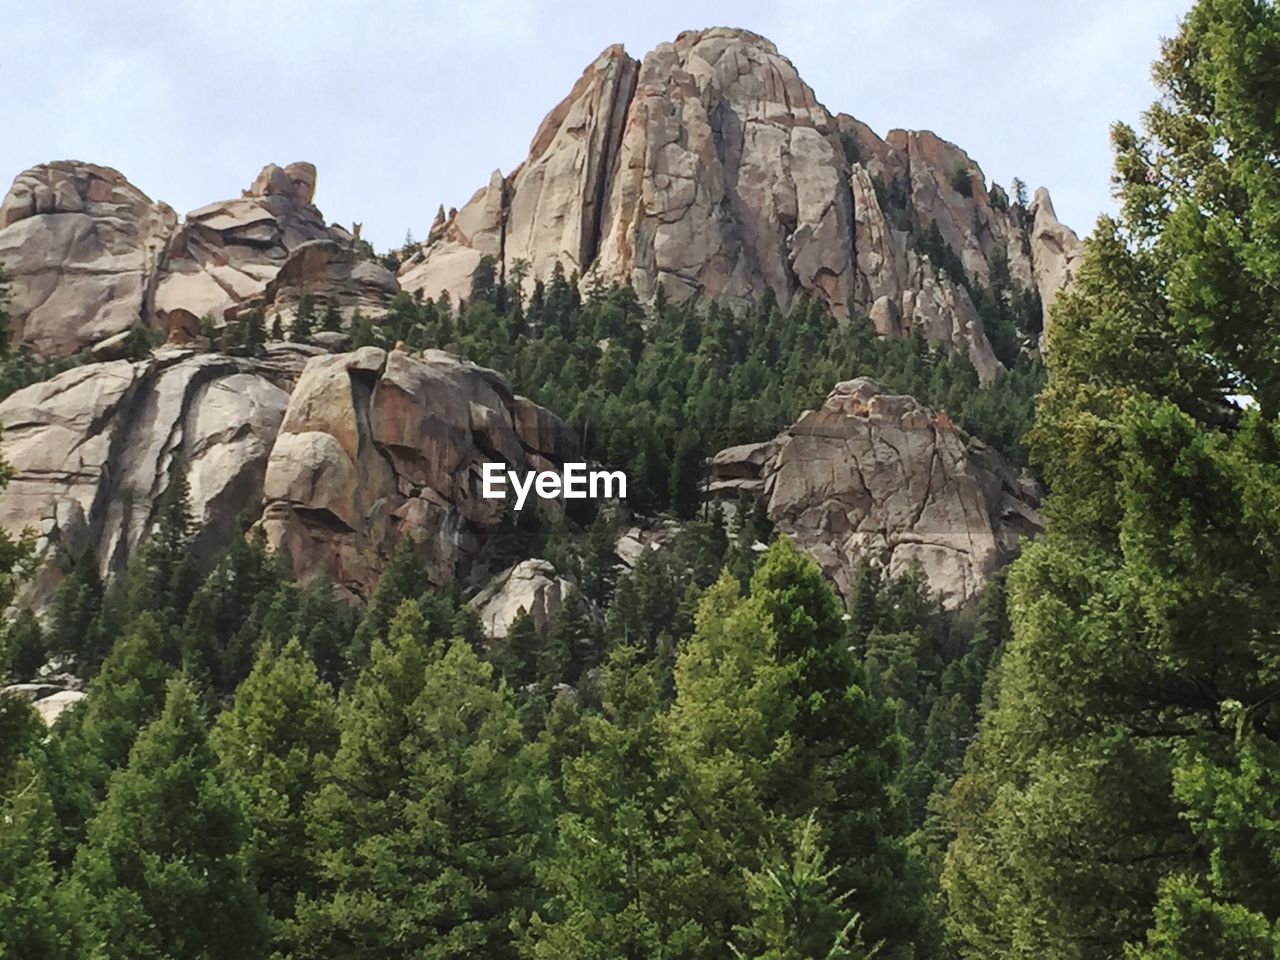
{"points": [[796, 914], [161, 872], [35, 924], [274, 746], [852, 751], [1112, 804], [427, 829], [93, 739], [618, 876], [304, 320]]}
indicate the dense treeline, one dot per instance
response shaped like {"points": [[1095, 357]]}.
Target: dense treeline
{"points": [[699, 757]]}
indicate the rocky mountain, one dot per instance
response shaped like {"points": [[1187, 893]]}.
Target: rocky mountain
{"points": [[711, 170], [875, 476], [708, 170]]}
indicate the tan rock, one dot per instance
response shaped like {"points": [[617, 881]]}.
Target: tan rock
{"points": [[93, 448], [328, 271], [379, 445], [876, 476], [227, 253], [711, 170], [531, 587], [82, 245], [1056, 251]]}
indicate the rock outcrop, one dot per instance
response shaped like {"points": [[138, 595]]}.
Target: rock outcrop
{"points": [[711, 170], [879, 477], [377, 445], [91, 256], [329, 272], [93, 448], [82, 246], [531, 587], [228, 252], [1056, 250]]}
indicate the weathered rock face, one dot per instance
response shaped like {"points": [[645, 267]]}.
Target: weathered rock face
{"points": [[711, 170], [91, 256], [878, 476], [83, 246], [93, 448], [1056, 250], [532, 587], [228, 252], [329, 272], [377, 445]]}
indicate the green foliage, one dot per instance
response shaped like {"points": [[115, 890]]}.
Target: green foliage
{"points": [[796, 914], [962, 180], [304, 320], [426, 830], [164, 849], [274, 746], [1119, 799]]}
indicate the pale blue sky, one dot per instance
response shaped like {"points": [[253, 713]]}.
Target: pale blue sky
{"points": [[403, 106]]}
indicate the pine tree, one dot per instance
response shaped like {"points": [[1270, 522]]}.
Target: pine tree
{"points": [[274, 746], [91, 741], [427, 828], [304, 320], [332, 319], [796, 913], [35, 925], [404, 578], [255, 329], [852, 751], [1133, 713], [161, 872], [618, 876]]}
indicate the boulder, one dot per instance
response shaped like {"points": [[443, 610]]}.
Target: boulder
{"points": [[93, 448], [328, 271], [376, 445], [531, 587], [50, 701], [82, 245], [880, 477]]}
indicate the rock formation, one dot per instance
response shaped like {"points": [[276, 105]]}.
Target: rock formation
{"points": [[871, 475], [531, 587], [376, 445], [82, 246], [93, 448], [91, 256], [328, 271], [711, 170], [228, 252]]}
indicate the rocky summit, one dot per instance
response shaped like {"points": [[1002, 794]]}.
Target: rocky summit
{"points": [[709, 169]]}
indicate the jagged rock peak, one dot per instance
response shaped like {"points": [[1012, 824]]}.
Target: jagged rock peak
{"points": [[710, 170], [297, 181]]}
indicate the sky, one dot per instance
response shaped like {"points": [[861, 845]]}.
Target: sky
{"points": [[407, 105]]}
